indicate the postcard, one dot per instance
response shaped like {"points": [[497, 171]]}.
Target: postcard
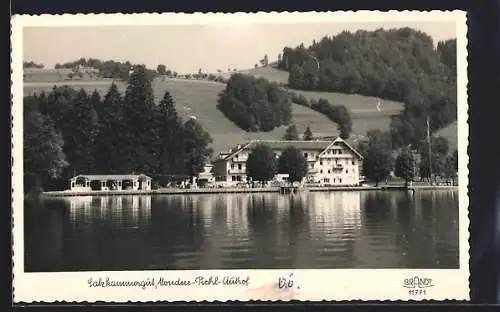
{"points": [[245, 156]]}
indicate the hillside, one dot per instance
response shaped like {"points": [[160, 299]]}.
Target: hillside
{"points": [[399, 64], [450, 132], [363, 109], [55, 75], [198, 98]]}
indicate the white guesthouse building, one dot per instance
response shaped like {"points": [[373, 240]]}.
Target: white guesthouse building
{"points": [[333, 162]]}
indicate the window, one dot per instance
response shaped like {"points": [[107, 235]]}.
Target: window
{"points": [[353, 162], [340, 180], [311, 165], [238, 178], [233, 178], [321, 171], [328, 171], [321, 163], [232, 166], [305, 155], [239, 166], [347, 171]]}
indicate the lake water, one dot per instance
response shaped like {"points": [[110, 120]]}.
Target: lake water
{"points": [[220, 231]]}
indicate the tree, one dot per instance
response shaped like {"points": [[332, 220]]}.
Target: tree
{"points": [[43, 153], [80, 134], [138, 114], [291, 133], [293, 163], [308, 136], [170, 127], [296, 77], [336, 113], [377, 162], [161, 69], [454, 159], [343, 119], [401, 65], [405, 166], [439, 158], [95, 102], [261, 163], [195, 146], [254, 104], [449, 169], [32, 64], [439, 163], [109, 143]]}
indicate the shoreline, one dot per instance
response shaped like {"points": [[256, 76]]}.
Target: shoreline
{"points": [[173, 191]]}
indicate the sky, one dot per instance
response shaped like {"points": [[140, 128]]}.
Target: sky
{"points": [[186, 48]]}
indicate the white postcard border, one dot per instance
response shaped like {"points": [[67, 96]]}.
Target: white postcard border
{"points": [[335, 284]]}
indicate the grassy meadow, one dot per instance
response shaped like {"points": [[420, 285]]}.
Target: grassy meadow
{"points": [[199, 98]]}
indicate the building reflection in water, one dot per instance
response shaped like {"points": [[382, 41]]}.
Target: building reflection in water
{"points": [[85, 211], [136, 212], [265, 230], [207, 207], [117, 211], [333, 213], [236, 220], [80, 210], [104, 208]]}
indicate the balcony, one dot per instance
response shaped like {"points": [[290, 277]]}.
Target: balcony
{"points": [[236, 171]]}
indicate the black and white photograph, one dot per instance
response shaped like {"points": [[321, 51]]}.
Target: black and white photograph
{"points": [[244, 144]]}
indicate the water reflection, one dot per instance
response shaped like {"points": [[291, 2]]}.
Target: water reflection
{"points": [[305, 230]]}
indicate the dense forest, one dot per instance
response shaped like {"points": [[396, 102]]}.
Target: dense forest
{"points": [[254, 104], [397, 64], [69, 132], [107, 69]]}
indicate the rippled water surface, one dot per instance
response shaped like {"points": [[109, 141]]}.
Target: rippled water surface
{"points": [[309, 230]]}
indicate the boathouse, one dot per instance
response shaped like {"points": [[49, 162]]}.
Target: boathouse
{"points": [[110, 182]]}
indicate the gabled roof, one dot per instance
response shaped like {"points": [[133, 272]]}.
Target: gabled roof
{"points": [[276, 145], [110, 176], [319, 145], [353, 149], [301, 145]]}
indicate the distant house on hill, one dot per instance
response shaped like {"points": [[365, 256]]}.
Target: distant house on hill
{"points": [[329, 162], [85, 69]]}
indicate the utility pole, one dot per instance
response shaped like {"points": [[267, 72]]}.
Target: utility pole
{"points": [[429, 149]]}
